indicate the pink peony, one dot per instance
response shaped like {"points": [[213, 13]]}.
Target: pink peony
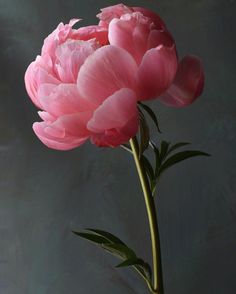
{"points": [[144, 35], [87, 81], [69, 118]]}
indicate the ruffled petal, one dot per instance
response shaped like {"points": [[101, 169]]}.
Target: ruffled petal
{"points": [[155, 18], [70, 56], [111, 12], [57, 37], [116, 120], [64, 99], [37, 74], [104, 72], [66, 133], [187, 85], [156, 72], [94, 32]]}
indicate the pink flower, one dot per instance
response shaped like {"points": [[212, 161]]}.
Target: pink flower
{"points": [[69, 118], [144, 35], [88, 89]]}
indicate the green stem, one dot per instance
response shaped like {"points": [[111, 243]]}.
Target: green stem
{"points": [[152, 217]]}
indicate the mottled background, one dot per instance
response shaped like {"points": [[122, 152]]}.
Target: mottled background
{"points": [[45, 193]]}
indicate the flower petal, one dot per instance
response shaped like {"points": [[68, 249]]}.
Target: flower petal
{"points": [[131, 33], [47, 117], [58, 36], [94, 32], [36, 75], [158, 22], [111, 12], [187, 85], [116, 120], [67, 132], [64, 99], [70, 56], [104, 72], [156, 71]]}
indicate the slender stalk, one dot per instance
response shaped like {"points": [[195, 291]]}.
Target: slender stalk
{"points": [[152, 217]]}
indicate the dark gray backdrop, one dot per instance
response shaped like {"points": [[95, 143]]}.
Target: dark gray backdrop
{"points": [[46, 193]]}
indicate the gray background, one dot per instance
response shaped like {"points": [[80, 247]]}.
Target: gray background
{"points": [[46, 193]]}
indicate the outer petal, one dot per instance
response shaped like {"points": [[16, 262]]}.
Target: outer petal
{"points": [[36, 75], [131, 33], [188, 83], [64, 99], [156, 72], [104, 72], [116, 120], [158, 22], [47, 117], [67, 132]]}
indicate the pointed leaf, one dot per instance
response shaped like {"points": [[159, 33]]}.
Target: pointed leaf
{"points": [[139, 264], [178, 157], [111, 238], [130, 262], [144, 133], [148, 167], [119, 250], [164, 149], [176, 146], [92, 237], [151, 114]]}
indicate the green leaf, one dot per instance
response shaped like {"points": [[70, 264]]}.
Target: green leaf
{"points": [[148, 167], [150, 173], [92, 237], [157, 156], [144, 133], [130, 262], [151, 114], [164, 149], [111, 238], [178, 157], [119, 250], [116, 247], [143, 267], [176, 146]]}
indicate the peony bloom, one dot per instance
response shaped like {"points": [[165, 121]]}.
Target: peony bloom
{"points": [[69, 118], [160, 75], [87, 81]]}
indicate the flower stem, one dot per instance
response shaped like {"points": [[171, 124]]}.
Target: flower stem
{"points": [[152, 217]]}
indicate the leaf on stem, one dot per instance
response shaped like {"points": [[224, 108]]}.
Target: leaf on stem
{"points": [[143, 133], [164, 150], [151, 114], [139, 264], [150, 172], [176, 146], [118, 248], [165, 159], [111, 238], [92, 237], [178, 157]]}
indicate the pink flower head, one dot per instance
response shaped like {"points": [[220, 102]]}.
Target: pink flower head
{"points": [[144, 35], [70, 118], [87, 81]]}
